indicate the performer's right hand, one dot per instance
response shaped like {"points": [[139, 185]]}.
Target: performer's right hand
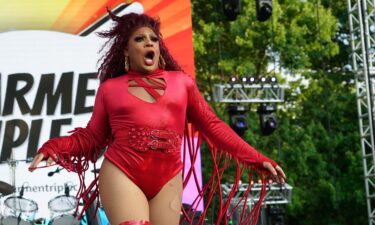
{"points": [[276, 172], [38, 158]]}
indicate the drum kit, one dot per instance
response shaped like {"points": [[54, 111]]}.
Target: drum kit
{"points": [[21, 211], [17, 210]]}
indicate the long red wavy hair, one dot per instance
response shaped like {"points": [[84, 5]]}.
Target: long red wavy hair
{"points": [[113, 60]]}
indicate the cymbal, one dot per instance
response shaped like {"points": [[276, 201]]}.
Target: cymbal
{"points": [[6, 189]]}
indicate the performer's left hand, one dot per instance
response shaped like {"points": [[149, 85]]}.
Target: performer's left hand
{"points": [[276, 172]]}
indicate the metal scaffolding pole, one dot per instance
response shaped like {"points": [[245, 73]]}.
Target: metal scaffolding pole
{"points": [[361, 21]]}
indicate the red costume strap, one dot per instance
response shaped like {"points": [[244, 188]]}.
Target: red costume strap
{"points": [[150, 88], [136, 222]]}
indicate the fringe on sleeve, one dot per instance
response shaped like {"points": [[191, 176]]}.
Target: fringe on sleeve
{"points": [[218, 203]]}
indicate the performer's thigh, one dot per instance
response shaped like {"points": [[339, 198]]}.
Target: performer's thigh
{"points": [[121, 198], [165, 207]]}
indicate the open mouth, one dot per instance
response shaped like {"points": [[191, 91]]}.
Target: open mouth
{"points": [[150, 55], [149, 58]]}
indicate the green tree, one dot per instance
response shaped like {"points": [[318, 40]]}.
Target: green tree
{"points": [[317, 141]]}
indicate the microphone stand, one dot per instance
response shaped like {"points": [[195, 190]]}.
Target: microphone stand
{"points": [[12, 166], [19, 219], [58, 169], [12, 163]]}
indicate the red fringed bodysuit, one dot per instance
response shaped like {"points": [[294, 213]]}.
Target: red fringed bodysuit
{"points": [[144, 138]]}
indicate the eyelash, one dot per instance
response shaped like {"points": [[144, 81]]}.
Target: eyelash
{"points": [[139, 39]]}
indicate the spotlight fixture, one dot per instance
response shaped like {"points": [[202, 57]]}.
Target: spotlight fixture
{"points": [[272, 80], [238, 118], [263, 9], [267, 119], [244, 79], [231, 9], [251, 80], [233, 79], [262, 80]]}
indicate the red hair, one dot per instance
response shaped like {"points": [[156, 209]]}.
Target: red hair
{"points": [[113, 60]]}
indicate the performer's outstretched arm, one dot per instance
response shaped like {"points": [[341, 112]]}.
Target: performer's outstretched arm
{"points": [[84, 142], [221, 135]]}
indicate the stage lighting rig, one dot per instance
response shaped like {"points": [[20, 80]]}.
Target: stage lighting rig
{"points": [[252, 91], [238, 92], [276, 198], [267, 118], [263, 9], [238, 118]]}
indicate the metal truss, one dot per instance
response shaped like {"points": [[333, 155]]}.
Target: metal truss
{"points": [[276, 196], [362, 20], [275, 193], [246, 93]]}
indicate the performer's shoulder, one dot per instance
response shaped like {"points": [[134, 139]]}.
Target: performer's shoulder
{"points": [[182, 76], [111, 83]]}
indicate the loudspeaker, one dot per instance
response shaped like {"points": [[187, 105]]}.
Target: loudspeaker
{"points": [[263, 9]]}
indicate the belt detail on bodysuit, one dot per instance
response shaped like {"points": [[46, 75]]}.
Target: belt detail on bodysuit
{"points": [[144, 139]]}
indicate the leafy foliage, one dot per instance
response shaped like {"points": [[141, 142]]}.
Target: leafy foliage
{"points": [[317, 142]]}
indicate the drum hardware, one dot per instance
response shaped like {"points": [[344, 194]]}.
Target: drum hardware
{"points": [[20, 211], [39, 221], [12, 220], [17, 210], [65, 220], [62, 208], [6, 189], [12, 163], [92, 213]]}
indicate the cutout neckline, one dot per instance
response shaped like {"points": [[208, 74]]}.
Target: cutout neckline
{"points": [[147, 89]]}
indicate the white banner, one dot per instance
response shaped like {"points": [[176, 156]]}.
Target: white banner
{"points": [[48, 85]]}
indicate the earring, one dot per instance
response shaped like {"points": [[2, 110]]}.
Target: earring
{"points": [[126, 63], [161, 63]]}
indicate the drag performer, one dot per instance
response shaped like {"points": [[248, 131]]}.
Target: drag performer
{"points": [[141, 112]]}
